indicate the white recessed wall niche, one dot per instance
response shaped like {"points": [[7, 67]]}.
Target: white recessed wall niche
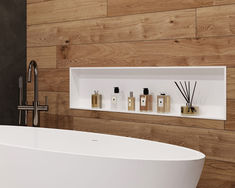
{"points": [[210, 94]]}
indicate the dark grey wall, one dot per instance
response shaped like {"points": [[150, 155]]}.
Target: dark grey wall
{"points": [[12, 56]]}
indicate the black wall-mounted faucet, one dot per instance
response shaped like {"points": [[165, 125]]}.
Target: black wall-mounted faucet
{"points": [[36, 108]]}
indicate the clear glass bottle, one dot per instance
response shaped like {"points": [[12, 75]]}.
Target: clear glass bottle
{"points": [[131, 102], [146, 101], [116, 99]]}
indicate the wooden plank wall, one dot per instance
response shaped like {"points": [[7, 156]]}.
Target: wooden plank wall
{"points": [[81, 33]]}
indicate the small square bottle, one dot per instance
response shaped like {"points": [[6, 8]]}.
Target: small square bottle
{"points": [[116, 99], [146, 101], [163, 103], [96, 100]]}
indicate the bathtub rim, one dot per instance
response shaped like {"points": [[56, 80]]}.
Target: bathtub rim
{"points": [[203, 156]]}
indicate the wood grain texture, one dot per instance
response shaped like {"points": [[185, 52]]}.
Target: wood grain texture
{"points": [[231, 83], [176, 121], [53, 121], [52, 80], [36, 1], [223, 2], [217, 174], [124, 7], [216, 144], [45, 56], [163, 120], [149, 33], [180, 52], [216, 21], [59, 105], [163, 25], [60, 10], [230, 123], [112, 127], [57, 101]]}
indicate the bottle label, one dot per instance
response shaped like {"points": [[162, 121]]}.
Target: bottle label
{"points": [[94, 101], [160, 102], [114, 100], [129, 102], [143, 101]]}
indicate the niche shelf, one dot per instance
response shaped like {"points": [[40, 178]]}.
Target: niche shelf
{"points": [[210, 94]]}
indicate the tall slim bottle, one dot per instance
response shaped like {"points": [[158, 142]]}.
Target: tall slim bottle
{"points": [[116, 99], [131, 102]]}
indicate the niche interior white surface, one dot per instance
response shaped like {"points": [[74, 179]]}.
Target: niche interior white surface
{"points": [[210, 94]]}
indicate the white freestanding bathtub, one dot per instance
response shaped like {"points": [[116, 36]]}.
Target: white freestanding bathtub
{"points": [[49, 158]]}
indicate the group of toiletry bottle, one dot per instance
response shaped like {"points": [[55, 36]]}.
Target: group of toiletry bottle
{"points": [[145, 101]]}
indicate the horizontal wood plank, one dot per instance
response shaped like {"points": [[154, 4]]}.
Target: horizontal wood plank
{"points": [[217, 174], [36, 1], [52, 80], [112, 127], [215, 183], [60, 10], [164, 120], [53, 121], [56, 121], [216, 21], [163, 25], [124, 7], [181, 52], [223, 2], [45, 56], [216, 144]]}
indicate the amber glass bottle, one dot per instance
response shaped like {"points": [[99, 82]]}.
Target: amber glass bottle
{"points": [[96, 100], [131, 102]]}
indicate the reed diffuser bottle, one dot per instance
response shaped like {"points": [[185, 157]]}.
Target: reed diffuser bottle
{"points": [[185, 90], [146, 101]]}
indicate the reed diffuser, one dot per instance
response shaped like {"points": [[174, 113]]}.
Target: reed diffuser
{"points": [[185, 90]]}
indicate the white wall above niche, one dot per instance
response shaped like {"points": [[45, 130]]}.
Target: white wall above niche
{"points": [[210, 94]]}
